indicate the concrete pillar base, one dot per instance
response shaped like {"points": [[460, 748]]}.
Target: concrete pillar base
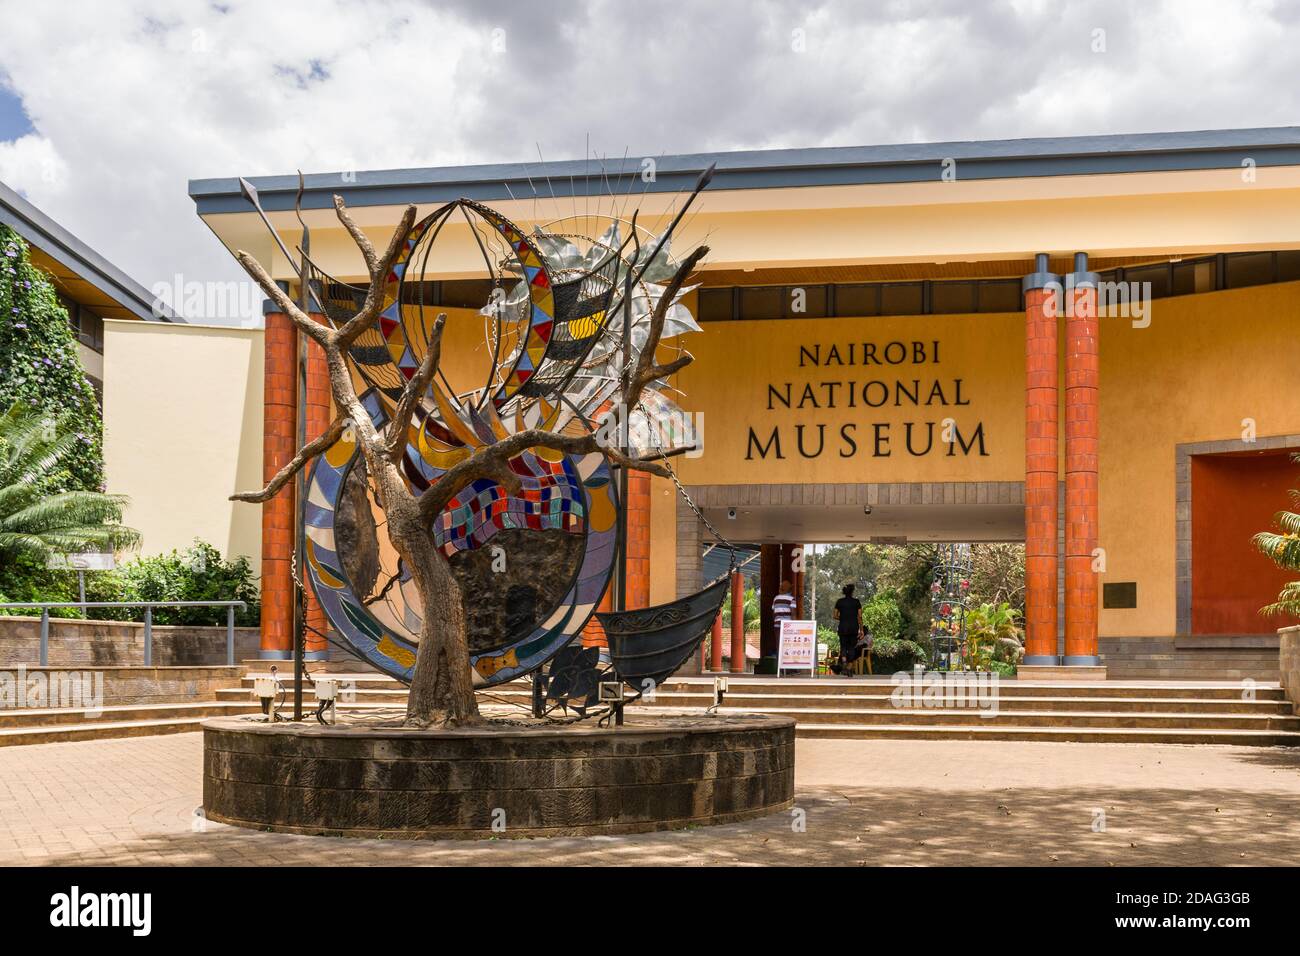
{"points": [[1081, 660], [1067, 674], [1040, 660]]}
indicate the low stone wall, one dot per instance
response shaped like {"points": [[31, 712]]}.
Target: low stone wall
{"points": [[1194, 657], [79, 643], [655, 774], [1288, 664], [138, 685]]}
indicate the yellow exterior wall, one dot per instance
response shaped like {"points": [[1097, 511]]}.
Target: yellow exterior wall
{"points": [[1205, 363], [183, 431], [663, 541]]}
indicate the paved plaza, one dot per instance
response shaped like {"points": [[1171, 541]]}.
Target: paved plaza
{"points": [[909, 803]]}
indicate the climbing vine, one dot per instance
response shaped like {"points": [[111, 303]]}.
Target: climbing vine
{"points": [[40, 367]]}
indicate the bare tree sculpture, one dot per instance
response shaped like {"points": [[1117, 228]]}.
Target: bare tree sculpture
{"points": [[442, 692]]}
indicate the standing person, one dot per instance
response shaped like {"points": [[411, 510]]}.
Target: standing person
{"points": [[848, 619], [783, 606]]}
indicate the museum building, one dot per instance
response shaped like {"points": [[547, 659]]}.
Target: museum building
{"points": [[1080, 343]]}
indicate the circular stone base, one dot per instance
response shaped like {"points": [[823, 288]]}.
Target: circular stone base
{"points": [[654, 773]]}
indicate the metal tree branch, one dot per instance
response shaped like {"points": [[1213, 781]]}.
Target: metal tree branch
{"points": [[378, 269], [305, 454], [318, 333]]}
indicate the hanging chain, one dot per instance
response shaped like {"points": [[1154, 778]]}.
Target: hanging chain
{"points": [[293, 570]]}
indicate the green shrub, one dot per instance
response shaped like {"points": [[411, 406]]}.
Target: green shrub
{"points": [[196, 574], [895, 654], [882, 617]]}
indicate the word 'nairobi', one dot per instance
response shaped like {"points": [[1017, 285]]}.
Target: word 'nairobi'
{"points": [[961, 690], [71, 690]]}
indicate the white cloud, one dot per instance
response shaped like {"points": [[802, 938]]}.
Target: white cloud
{"points": [[31, 163], [130, 100]]}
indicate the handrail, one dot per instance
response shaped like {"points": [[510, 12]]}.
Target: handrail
{"points": [[44, 607]]}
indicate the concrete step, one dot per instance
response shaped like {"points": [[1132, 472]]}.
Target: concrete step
{"points": [[1188, 705], [1204, 689], [97, 730], [923, 716], [1110, 735], [123, 713]]}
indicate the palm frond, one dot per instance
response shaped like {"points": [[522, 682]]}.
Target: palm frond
{"points": [[33, 447]]}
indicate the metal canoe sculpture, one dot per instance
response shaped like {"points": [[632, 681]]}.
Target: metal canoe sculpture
{"points": [[648, 645]]}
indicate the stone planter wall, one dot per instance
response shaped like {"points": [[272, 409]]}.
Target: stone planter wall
{"points": [[661, 773], [79, 643]]}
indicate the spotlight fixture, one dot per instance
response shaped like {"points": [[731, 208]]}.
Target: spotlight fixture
{"points": [[327, 693], [266, 689], [719, 692]]}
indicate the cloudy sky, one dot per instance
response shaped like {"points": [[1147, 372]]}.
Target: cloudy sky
{"points": [[108, 108]]}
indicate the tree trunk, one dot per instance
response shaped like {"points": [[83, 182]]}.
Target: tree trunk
{"points": [[442, 690]]}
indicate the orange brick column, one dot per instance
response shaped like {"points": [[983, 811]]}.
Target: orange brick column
{"points": [[715, 645], [1042, 305], [318, 419], [737, 623], [1081, 453], [638, 539], [279, 437]]}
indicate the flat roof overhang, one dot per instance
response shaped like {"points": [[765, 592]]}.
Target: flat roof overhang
{"points": [[79, 271], [1157, 194]]}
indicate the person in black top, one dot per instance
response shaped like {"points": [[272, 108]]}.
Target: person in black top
{"points": [[848, 617]]}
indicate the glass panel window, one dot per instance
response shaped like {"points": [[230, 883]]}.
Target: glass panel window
{"points": [[1288, 266], [762, 302], [952, 297], [1249, 268], [1157, 276], [467, 293], [1000, 296], [715, 304], [854, 300], [902, 298]]}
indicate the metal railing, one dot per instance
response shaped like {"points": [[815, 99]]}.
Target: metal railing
{"points": [[148, 606]]}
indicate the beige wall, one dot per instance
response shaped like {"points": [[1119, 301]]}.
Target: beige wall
{"points": [[183, 431]]}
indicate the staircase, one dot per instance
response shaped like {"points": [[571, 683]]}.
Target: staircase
{"points": [[1181, 712], [1115, 711]]}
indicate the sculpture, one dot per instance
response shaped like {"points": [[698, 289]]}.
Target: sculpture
{"points": [[498, 501]]}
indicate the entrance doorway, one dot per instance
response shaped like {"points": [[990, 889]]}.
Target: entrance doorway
{"points": [[884, 538]]}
